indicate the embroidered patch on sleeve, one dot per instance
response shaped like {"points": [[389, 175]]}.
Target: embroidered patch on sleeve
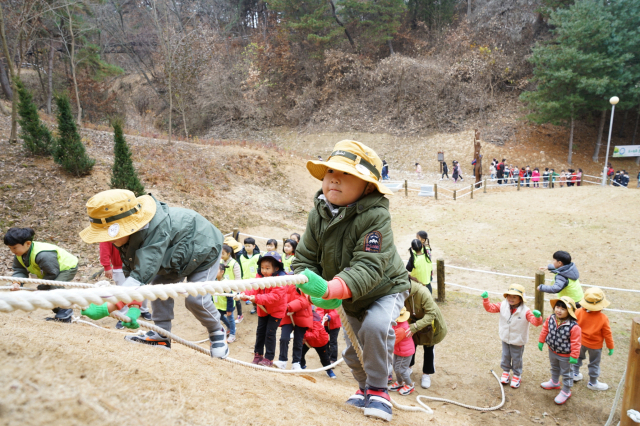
{"points": [[373, 242]]}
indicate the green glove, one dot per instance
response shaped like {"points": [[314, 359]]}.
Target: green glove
{"points": [[610, 352], [536, 313], [316, 286], [96, 312], [540, 345], [134, 314], [572, 360], [484, 295], [326, 304]]}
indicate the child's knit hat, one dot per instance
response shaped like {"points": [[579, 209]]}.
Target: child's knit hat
{"points": [[594, 299], [354, 158]]}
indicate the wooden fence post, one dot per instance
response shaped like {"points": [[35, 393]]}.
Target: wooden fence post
{"points": [[485, 186], [236, 234], [440, 278], [631, 398], [435, 191], [518, 183], [472, 185], [539, 302], [454, 195], [406, 189], [284, 240]]}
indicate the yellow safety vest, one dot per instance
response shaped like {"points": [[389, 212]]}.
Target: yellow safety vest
{"points": [[65, 259], [573, 290], [220, 302], [286, 261], [422, 267], [249, 266], [228, 273]]}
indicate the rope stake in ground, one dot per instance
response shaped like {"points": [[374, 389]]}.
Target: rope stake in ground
{"points": [[29, 301]]}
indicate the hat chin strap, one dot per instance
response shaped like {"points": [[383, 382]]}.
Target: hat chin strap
{"points": [[128, 213]]}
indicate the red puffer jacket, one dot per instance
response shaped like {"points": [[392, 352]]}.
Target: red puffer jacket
{"points": [[335, 317], [300, 306], [273, 299], [316, 336]]}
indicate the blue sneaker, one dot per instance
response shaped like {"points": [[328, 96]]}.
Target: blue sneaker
{"points": [[331, 374], [357, 400], [377, 403], [248, 302]]}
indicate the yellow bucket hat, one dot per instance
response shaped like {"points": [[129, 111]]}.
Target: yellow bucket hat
{"points": [[404, 315], [116, 213], [231, 242], [594, 299], [516, 290], [354, 158], [571, 305]]}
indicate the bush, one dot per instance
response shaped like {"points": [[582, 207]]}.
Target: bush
{"points": [[70, 152], [123, 174], [36, 136]]}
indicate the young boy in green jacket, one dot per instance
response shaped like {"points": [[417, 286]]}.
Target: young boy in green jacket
{"points": [[349, 243]]}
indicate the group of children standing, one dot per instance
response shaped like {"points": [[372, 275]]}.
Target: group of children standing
{"points": [[532, 177]]}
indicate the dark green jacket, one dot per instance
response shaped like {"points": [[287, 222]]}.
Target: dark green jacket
{"points": [[344, 245], [427, 323], [176, 241]]}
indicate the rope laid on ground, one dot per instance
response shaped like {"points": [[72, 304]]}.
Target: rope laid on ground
{"points": [[617, 397]]}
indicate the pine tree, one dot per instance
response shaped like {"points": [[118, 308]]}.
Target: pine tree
{"points": [[70, 152], [36, 136], [123, 174]]}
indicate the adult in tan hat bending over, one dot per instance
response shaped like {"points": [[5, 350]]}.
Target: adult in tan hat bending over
{"points": [[159, 245]]}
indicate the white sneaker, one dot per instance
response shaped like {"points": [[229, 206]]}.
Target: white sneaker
{"points": [[231, 338], [282, 365], [296, 366], [577, 377], [426, 381], [598, 386]]}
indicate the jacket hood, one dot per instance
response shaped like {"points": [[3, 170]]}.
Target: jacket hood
{"points": [[568, 271], [375, 199]]}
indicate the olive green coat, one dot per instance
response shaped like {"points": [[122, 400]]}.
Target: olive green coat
{"points": [[335, 246], [426, 321]]}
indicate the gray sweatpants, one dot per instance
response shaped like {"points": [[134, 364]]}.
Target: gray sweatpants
{"points": [[512, 358], [560, 366], [200, 306], [377, 338], [594, 363], [118, 277], [402, 369]]}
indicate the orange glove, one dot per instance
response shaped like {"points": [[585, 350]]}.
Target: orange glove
{"points": [[401, 334]]}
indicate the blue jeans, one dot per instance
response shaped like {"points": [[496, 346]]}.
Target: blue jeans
{"points": [[228, 322]]}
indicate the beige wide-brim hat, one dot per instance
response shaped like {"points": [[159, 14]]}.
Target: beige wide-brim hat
{"points": [[354, 158], [516, 290], [116, 213], [594, 299], [571, 305], [233, 243], [404, 315]]}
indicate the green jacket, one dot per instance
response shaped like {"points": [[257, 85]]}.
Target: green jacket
{"points": [[427, 323], [176, 241], [356, 244]]}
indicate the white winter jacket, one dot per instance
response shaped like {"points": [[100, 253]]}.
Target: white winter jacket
{"points": [[514, 329]]}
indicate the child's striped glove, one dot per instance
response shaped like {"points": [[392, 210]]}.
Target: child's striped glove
{"points": [[133, 313], [315, 287], [96, 312], [326, 304]]}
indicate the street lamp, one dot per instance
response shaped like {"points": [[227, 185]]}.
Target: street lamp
{"points": [[613, 101]]}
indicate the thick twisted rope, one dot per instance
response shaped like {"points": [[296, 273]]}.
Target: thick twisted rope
{"points": [[36, 281], [30, 301]]}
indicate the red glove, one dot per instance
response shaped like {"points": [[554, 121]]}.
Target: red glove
{"points": [[401, 334]]}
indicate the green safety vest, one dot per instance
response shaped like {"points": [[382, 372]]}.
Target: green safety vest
{"points": [[249, 266], [220, 302], [422, 267], [228, 273], [573, 290], [65, 259], [286, 261]]}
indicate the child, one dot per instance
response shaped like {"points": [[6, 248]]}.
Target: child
{"points": [[289, 250], [535, 177], [424, 239], [562, 334], [349, 241], [562, 178], [153, 240], [419, 265], [403, 351], [272, 302], [272, 245], [332, 324], [418, 171], [515, 317], [595, 331], [112, 264], [296, 237], [43, 260], [248, 258], [297, 320], [226, 306], [566, 280], [317, 338], [232, 272], [545, 178]]}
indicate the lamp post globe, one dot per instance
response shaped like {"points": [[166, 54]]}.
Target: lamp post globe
{"points": [[614, 100]]}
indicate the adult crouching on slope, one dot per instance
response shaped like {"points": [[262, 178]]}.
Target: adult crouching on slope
{"points": [[158, 245]]}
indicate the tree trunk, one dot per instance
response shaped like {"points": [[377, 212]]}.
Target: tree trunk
{"points": [[635, 131], [38, 64], [4, 111], [184, 122], [4, 82], [624, 121], [468, 10], [599, 141], [50, 77], [333, 12], [570, 142], [73, 67], [391, 52], [170, 109], [13, 137]]}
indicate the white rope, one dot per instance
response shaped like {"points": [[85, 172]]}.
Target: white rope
{"points": [[9, 287], [617, 397], [55, 283], [634, 415], [29, 301], [471, 407]]}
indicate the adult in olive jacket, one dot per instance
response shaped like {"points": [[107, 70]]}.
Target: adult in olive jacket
{"points": [[427, 327]]}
